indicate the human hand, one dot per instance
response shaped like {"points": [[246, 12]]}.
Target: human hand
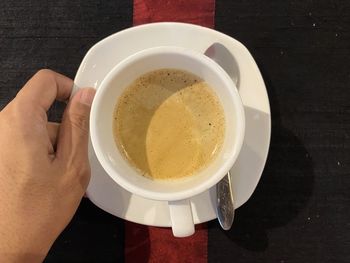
{"points": [[44, 167]]}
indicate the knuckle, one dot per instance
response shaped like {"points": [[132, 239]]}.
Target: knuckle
{"points": [[79, 174], [46, 76], [79, 121], [44, 73], [80, 170], [27, 113], [21, 109], [21, 113]]}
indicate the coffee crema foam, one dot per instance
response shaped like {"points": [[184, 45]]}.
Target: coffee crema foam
{"points": [[169, 124]]}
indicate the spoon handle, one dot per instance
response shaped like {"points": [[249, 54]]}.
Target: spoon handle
{"points": [[225, 205]]}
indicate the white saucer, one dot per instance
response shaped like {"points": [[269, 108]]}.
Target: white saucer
{"points": [[101, 58]]}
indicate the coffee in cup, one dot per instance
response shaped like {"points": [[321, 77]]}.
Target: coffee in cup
{"points": [[169, 124]]}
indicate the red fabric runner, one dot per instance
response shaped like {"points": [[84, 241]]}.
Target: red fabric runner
{"points": [[200, 12], [154, 244]]}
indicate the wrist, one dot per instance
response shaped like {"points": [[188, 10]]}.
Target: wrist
{"points": [[22, 245]]}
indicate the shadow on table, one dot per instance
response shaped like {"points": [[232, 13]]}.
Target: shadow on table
{"points": [[92, 236], [283, 191]]}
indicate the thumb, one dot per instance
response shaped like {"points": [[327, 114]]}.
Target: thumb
{"points": [[72, 144]]}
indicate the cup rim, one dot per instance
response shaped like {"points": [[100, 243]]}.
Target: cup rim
{"points": [[197, 189]]}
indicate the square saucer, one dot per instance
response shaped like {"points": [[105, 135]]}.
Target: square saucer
{"points": [[246, 172]]}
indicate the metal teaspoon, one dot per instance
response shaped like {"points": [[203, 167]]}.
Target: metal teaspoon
{"points": [[224, 195]]}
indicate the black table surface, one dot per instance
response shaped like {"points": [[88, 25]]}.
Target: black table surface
{"points": [[300, 209]]}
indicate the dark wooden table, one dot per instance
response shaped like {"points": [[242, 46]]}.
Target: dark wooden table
{"points": [[300, 210]]}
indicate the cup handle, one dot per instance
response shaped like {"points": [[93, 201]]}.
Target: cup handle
{"points": [[181, 218]]}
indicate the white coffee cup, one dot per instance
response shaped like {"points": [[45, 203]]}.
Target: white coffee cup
{"points": [[176, 192]]}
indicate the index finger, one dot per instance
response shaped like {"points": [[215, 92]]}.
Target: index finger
{"points": [[45, 87]]}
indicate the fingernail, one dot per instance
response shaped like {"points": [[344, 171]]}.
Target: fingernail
{"points": [[87, 96]]}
